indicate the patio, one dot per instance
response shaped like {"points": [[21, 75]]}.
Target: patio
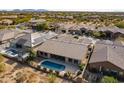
{"points": [[68, 66]]}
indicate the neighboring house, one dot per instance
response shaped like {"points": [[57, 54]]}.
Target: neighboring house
{"points": [[76, 29], [34, 22], [9, 16], [63, 49], [6, 22], [112, 31], [109, 58], [108, 42], [10, 34], [31, 40], [6, 35]]}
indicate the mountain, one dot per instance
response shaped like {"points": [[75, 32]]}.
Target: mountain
{"points": [[34, 10], [26, 10]]}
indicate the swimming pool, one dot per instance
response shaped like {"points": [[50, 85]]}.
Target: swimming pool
{"points": [[12, 53], [53, 66]]}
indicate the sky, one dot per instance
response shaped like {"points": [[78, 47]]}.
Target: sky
{"points": [[64, 5]]}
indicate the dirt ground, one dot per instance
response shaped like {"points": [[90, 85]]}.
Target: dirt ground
{"points": [[16, 72]]}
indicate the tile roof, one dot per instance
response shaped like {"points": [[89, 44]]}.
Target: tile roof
{"points": [[109, 53], [6, 34], [33, 39], [63, 48]]}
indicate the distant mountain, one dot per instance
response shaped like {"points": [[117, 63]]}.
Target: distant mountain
{"points": [[41, 10], [27, 10], [34, 10], [16, 10]]}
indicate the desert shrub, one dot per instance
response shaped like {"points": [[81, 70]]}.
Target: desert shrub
{"points": [[2, 67], [51, 78], [120, 24], [1, 58], [109, 79]]}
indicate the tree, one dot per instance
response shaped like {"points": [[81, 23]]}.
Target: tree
{"points": [[40, 27], [120, 24], [22, 20], [109, 79], [81, 66], [32, 54]]}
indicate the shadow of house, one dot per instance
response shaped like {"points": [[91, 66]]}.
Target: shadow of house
{"points": [[83, 30], [109, 34]]}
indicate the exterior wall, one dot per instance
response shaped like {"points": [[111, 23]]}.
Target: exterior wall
{"points": [[105, 66]]}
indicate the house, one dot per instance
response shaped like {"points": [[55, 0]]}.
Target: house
{"points": [[35, 22], [6, 22], [6, 35], [76, 29], [108, 42], [112, 31], [31, 40], [64, 49], [107, 58], [9, 16]]}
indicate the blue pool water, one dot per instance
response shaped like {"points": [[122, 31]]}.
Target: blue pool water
{"points": [[53, 66], [12, 52]]}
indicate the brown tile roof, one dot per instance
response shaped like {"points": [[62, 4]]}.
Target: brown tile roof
{"points": [[66, 49], [113, 54], [6, 34]]}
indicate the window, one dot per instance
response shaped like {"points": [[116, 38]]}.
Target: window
{"points": [[45, 54], [41, 53], [70, 60]]}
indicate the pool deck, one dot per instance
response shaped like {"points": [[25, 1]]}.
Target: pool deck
{"points": [[68, 67]]}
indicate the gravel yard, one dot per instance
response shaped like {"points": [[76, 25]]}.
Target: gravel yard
{"points": [[20, 73]]}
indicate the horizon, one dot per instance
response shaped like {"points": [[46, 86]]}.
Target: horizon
{"points": [[60, 10], [65, 5]]}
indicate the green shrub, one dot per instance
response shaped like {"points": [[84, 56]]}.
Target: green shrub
{"points": [[108, 79], [51, 78], [32, 55], [120, 24], [81, 66], [1, 58], [2, 67], [41, 27]]}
